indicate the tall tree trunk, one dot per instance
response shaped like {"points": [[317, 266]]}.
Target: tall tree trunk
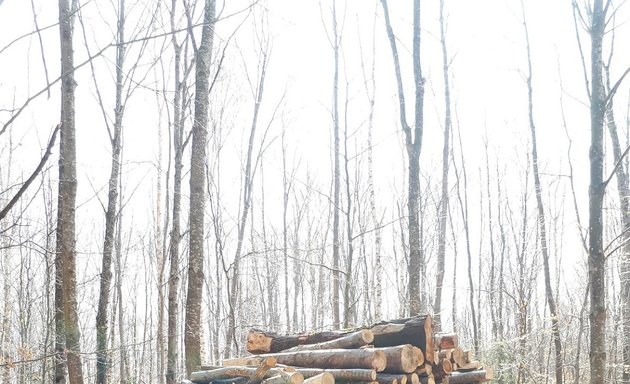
{"points": [[192, 329], [172, 347], [413, 143], [112, 209], [542, 227], [443, 208], [348, 297], [336, 176], [248, 185], [623, 188], [596, 259], [67, 198]]}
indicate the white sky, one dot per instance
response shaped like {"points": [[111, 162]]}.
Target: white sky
{"points": [[485, 40]]}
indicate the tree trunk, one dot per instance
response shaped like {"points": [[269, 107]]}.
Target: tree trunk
{"points": [[443, 208], [173, 276], [336, 176], [413, 143], [67, 198], [623, 188], [203, 55], [542, 227], [596, 258], [112, 209]]}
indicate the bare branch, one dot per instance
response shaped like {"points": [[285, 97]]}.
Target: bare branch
{"points": [[36, 172]]}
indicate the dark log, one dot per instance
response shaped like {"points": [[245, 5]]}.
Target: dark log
{"points": [[428, 379], [417, 330], [330, 359], [413, 378]]}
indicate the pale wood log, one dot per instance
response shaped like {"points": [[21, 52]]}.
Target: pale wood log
{"points": [[286, 378], [458, 356], [341, 374], [469, 356], [390, 378], [413, 378], [227, 373], [327, 359], [446, 341], [400, 359], [445, 354], [425, 369], [322, 378], [261, 371], [419, 355], [353, 340], [417, 330], [473, 365], [470, 377], [442, 368], [330, 358]]}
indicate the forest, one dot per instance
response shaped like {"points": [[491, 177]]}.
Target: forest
{"points": [[176, 173]]}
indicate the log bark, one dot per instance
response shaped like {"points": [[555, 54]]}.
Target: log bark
{"points": [[265, 369], [471, 377], [413, 378], [401, 359], [322, 378], [332, 359], [341, 374], [417, 331], [388, 378], [350, 341], [429, 379], [446, 341]]}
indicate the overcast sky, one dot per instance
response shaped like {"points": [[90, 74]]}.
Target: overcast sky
{"points": [[485, 42]]}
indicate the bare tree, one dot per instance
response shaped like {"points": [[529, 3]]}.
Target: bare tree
{"points": [[596, 258], [413, 144], [542, 227], [66, 300], [443, 207], [337, 175], [203, 56], [111, 215]]}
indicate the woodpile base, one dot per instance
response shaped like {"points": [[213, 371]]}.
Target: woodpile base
{"points": [[401, 351]]}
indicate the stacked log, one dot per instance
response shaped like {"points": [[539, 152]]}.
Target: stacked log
{"points": [[401, 351]]}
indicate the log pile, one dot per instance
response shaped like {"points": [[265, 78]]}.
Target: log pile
{"points": [[401, 351]]}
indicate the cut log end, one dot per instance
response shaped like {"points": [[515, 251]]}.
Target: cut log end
{"points": [[258, 342], [379, 363]]}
